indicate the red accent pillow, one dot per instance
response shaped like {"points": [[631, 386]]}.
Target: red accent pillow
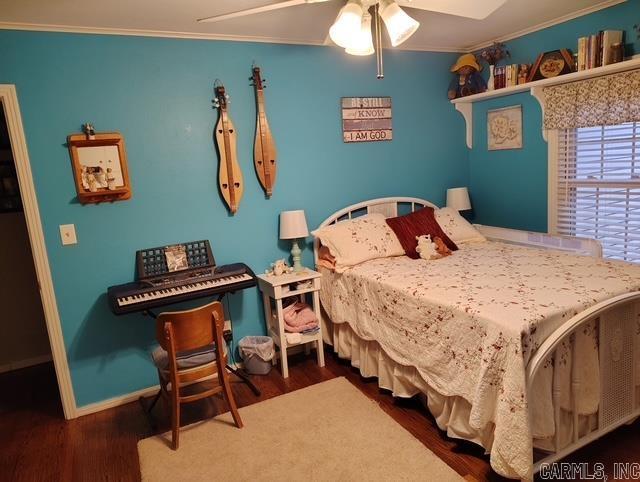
{"points": [[418, 223]]}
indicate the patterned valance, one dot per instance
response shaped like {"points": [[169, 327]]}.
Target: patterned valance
{"points": [[607, 100]]}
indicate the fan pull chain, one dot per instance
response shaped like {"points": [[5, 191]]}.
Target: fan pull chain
{"points": [[379, 63]]}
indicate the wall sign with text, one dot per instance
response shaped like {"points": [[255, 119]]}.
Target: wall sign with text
{"points": [[366, 119]]}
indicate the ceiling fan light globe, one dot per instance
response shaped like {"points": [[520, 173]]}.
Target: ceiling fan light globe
{"points": [[362, 42], [347, 24], [400, 26]]}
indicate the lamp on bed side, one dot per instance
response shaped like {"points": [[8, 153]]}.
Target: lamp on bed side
{"points": [[458, 199], [293, 225]]}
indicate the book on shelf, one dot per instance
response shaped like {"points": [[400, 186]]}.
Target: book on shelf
{"points": [[595, 50], [510, 75], [609, 39]]}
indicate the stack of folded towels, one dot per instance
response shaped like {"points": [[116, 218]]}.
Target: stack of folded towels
{"points": [[300, 318]]}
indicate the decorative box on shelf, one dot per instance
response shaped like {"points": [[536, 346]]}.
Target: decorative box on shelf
{"points": [[275, 289]]}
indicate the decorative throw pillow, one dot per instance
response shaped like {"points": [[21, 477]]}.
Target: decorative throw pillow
{"points": [[458, 229], [358, 240], [418, 223]]}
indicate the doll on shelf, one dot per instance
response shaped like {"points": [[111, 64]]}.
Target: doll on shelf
{"points": [[469, 80]]}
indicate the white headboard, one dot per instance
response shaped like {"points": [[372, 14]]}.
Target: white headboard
{"points": [[386, 205]]}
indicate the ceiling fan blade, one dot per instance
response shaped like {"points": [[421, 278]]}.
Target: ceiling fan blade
{"points": [[252, 11], [462, 8]]}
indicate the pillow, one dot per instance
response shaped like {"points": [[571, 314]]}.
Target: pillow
{"points": [[325, 258], [358, 240], [458, 229], [418, 223]]}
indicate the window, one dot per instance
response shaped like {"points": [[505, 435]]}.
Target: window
{"points": [[597, 188]]}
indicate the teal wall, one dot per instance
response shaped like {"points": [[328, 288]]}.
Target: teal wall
{"points": [[509, 188], [157, 93]]}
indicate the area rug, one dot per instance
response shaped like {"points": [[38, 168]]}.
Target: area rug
{"points": [[329, 431]]}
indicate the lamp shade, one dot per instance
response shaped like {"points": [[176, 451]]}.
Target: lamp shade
{"points": [[458, 199], [293, 225], [347, 24], [399, 25], [362, 43]]}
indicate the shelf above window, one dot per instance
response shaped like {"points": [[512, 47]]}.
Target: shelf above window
{"points": [[465, 104]]}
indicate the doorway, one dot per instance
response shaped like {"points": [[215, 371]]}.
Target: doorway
{"points": [[25, 353], [36, 318]]}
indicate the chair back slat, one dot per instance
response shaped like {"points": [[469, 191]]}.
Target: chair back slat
{"points": [[192, 328]]}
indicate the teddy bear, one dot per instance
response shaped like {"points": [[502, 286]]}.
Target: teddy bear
{"points": [[468, 80], [442, 249], [431, 249], [426, 247]]}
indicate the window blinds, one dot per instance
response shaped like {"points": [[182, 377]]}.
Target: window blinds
{"points": [[598, 187]]}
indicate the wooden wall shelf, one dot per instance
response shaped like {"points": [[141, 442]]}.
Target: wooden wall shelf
{"points": [[464, 105]]}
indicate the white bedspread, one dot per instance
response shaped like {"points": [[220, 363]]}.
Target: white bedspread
{"points": [[470, 322]]}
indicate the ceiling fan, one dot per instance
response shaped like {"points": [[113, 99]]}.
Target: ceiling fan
{"points": [[352, 28]]}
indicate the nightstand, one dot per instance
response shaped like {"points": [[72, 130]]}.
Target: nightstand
{"points": [[277, 288]]}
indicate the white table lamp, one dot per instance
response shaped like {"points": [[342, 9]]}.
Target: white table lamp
{"points": [[293, 225], [458, 199]]}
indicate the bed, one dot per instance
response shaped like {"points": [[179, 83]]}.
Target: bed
{"points": [[525, 344]]}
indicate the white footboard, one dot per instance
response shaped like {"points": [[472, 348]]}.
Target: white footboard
{"points": [[618, 322]]}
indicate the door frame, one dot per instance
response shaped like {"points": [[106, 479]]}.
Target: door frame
{"points": [[9, 99]]}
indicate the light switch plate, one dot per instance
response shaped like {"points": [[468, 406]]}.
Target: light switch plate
{"points": [[68, 234]]}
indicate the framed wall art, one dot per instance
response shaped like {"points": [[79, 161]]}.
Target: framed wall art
{"points": [[99, 166], [504, 128], [366, 119]]}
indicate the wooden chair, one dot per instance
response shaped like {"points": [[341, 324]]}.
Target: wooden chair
{"points": [[191, 351]]}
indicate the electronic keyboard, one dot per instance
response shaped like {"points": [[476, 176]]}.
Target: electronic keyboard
{"points": [[177, 273]]}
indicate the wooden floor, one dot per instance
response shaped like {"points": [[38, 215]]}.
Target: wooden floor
{"points": [[37, 444]]}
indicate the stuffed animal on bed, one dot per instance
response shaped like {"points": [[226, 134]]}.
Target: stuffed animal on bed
{"points": [[441, 248], [428, 249]]}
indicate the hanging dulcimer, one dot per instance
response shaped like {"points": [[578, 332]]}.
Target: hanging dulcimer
{"points": [[265, 148], [229, 173]]}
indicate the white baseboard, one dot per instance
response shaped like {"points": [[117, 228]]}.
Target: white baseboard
{"points": [[29, 362], [116, 401], [127, 398]]}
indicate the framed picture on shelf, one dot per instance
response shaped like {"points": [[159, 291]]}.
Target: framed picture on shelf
{"points": [[551, 64], [504, 128]]}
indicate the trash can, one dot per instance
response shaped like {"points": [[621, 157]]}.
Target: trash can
{"points": [[257, 353]]}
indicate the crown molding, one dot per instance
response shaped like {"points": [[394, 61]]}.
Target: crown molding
{"points": [[543, 25], [36, 27]]}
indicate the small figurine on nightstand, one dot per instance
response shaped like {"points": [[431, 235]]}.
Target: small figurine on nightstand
{"points": [[279, 267], [468, 81]]}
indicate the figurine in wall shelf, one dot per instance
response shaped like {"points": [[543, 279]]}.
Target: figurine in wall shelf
{"points": [[279, 267], [469, 80]]}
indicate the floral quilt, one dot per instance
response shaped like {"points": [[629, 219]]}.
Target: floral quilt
{"points": [[471, 321]]}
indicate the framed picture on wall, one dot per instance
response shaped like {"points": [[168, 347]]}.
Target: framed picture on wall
{"points": [[504, 128], [99, 167]]}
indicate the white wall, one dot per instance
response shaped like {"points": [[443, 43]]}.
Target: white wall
{"points": [[23, 338]]}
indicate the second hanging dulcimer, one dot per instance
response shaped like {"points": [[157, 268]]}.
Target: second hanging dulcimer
{"points": [[265, 147], [229, 173]]}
